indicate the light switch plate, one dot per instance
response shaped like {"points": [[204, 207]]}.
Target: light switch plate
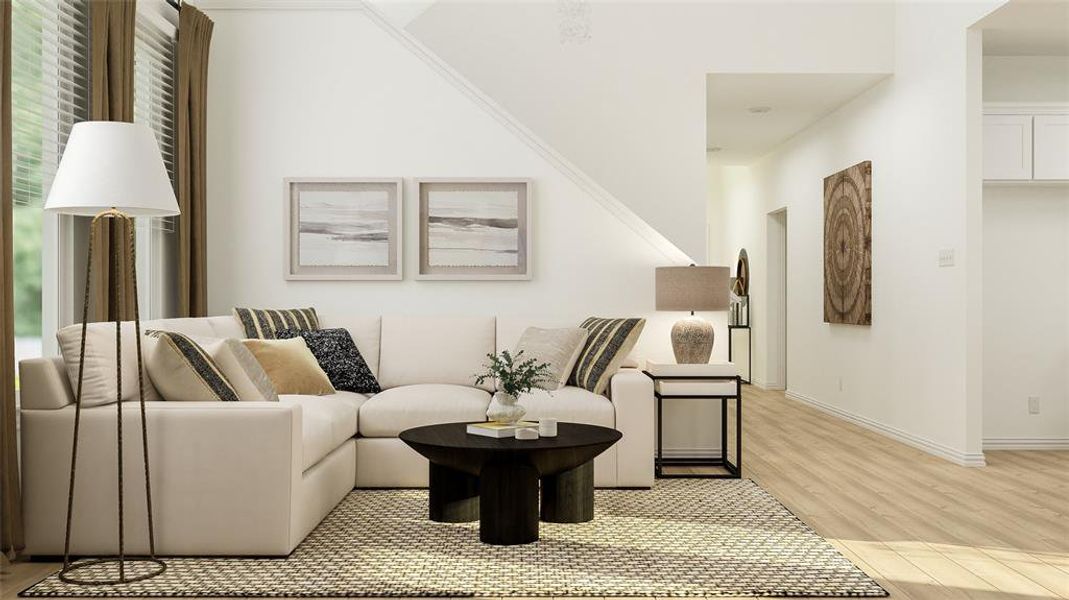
{"points": [[946, 257]]}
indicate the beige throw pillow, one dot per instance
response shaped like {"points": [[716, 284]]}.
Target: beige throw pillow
{"points": [[98, 383], [292, 367], [559, 348]]}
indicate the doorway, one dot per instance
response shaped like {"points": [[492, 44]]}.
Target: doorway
{"points": [[776, 341]]}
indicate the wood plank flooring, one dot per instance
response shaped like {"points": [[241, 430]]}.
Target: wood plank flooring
{"points": [[921, 526]]}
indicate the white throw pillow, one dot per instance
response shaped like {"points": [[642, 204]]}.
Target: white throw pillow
{"points": [[559, 348], [98, 384]]}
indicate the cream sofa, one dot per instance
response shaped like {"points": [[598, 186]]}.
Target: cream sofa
{"points": [[254, 478]]}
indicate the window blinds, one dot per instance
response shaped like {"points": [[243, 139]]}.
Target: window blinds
{"points": [[49, 91]]}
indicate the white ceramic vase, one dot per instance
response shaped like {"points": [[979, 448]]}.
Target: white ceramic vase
{"points": [[505, 409]]}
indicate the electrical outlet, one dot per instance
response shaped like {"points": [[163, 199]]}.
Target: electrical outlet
{"points": [[840, 384], [1033, 405], [946, 257]]}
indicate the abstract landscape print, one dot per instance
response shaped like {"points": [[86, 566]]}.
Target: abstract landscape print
{"points": [[344, 229], [474, 229]]}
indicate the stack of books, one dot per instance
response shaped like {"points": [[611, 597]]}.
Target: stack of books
{"points": [[499, 430]]}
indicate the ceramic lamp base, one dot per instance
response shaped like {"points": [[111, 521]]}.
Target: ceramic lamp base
{"points": [[692, 341]]}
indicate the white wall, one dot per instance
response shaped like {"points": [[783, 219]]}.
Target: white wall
{"points": [[1026, 324], [628, 104], [1026, 79], [908, 375], [330, 93], [1026, 279]]}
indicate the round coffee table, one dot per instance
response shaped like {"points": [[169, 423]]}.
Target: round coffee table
{"points": [[496, 480]]}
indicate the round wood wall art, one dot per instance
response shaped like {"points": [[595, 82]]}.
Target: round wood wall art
{"points": [[848, 246], [742, 274]]}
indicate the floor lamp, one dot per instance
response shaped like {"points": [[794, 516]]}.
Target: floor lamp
{"points": [[112, 170]]}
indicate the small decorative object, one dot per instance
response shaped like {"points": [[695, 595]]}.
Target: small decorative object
{"points": [[514, 376], [343, 228], [472, 229], [547, 427], [848, 246], [112, 172], [692, 288], [741, 281], [527, 433]]}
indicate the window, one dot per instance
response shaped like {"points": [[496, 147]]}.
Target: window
{"points": [[155, 90], [50, 81]]}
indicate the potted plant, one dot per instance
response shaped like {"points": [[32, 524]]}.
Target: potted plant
{"points": [[515, 375]]}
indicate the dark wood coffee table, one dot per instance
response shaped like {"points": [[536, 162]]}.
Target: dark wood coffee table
{"points": [[496, 480]]}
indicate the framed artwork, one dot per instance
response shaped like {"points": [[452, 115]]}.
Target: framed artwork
{"points": [[343, 228], [474, 229], [848, 246]]}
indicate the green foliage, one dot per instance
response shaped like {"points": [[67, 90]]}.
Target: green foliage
{"points": [[26, 223], [514, 375]]}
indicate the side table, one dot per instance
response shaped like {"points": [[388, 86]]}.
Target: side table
{"points": [[715, 381]]}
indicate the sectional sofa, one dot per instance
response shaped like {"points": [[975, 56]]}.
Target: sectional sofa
{"points": [[254, 478]]}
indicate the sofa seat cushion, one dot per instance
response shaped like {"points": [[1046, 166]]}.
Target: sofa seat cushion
{"points": [[388, 413], [326, 422], [570, 405]]}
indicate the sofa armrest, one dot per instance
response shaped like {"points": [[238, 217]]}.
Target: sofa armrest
{"points": [[631, 392], [43, 383], [224, 476]]}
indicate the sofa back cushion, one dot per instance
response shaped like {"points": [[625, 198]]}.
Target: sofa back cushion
{"points": [[449, 350], [205, 327], [364, 330]]}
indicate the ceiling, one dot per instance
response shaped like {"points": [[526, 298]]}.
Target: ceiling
{"points": [[796, 100], [1027, 28]]}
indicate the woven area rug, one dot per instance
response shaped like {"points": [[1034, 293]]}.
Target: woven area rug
{"points": [[685, 537]]}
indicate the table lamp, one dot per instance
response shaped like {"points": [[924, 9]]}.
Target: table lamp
{"points": [[692, 288], [112, 170]]}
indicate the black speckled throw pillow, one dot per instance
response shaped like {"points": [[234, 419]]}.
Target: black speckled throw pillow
{"points": [[339, 357]]}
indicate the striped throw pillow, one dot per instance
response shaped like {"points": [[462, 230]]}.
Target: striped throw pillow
{"points": [[262, 323], [182, 370], [607, 346]]}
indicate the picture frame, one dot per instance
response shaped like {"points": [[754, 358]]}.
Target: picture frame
{"points": [[343, 228], [474, 229]]}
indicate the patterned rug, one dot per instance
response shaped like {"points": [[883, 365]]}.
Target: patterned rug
{"points": [[685, 537]]}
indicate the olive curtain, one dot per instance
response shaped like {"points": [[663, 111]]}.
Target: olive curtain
{"points": [[11, 509], [194, 40], [111, 72]]}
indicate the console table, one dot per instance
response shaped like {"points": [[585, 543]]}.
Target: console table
{"points": [[717, 382]]}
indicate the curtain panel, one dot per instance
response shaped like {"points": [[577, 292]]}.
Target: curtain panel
{"points": [[111, 71], [194, 41], [11, 541]]}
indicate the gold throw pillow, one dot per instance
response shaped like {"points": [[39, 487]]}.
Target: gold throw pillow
{"points": [[291, 366]]}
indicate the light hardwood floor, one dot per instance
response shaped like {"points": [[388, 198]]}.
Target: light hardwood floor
{"points": [[923, 527]]}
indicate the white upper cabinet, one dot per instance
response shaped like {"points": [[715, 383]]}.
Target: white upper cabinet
{"points": [[1051, 147], [1008, 147]]}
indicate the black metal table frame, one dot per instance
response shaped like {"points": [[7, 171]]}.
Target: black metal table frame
{"points": [[734, 469]]}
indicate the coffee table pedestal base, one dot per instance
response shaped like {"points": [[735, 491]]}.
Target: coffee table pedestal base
{"points": [[568, 497], [454, 495], [508, 506]]}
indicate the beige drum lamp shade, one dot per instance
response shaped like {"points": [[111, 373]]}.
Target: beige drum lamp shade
{"points": [[692, 288], [110, 164]]}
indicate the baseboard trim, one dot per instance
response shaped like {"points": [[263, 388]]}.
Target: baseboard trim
{"points": [[934, 448], [1026, 443]]}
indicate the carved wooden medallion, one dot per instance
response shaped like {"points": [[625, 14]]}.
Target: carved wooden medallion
{"points": [[848, 246]]}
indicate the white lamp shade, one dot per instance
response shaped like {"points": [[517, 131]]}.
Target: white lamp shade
{"points": [[110, 164]]}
